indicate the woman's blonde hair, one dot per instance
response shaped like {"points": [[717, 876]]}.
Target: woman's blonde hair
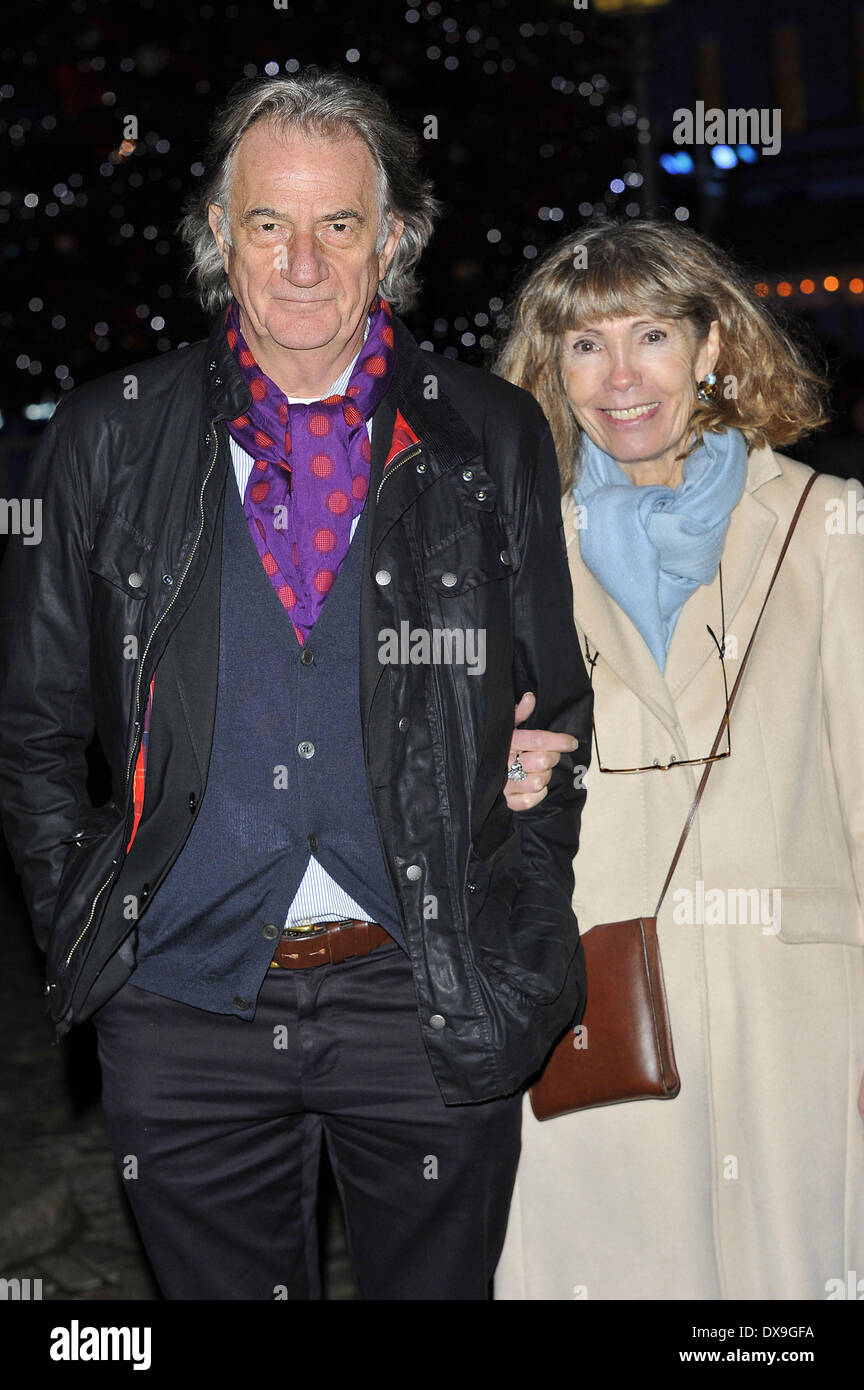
{"points": [[619, 269]]}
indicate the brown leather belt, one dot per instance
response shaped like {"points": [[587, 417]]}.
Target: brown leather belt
{"points": [[328, 943]]}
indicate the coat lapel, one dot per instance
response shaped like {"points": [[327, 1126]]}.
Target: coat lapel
{"points": [[610, 632], [750, 527]]}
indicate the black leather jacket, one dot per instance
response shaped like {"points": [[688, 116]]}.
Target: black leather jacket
{"points": [[131, 471]]}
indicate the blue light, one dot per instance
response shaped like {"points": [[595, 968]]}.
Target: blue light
{"points": [[747, 154], [724, 156], [679, 163]]}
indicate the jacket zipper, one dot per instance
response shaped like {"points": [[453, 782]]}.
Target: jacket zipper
{"points": [[397, 463], [167, 610]]}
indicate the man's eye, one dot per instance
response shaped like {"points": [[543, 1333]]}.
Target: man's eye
{"points": [[339, 226], [266, 226]]}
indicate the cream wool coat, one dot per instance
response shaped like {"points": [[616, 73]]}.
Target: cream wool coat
{"points": [[750, 1184]]}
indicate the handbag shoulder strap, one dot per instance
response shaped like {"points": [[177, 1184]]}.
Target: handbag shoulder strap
{"points": [[725, 720]]}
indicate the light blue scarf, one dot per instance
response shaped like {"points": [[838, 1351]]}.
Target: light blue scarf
{"points": [[651, 547]]}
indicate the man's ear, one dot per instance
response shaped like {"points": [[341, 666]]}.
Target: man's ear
{"points": [[214, 217], [394, 236]]}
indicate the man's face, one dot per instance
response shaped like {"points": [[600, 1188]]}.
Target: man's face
{"points": [[302, 263]]}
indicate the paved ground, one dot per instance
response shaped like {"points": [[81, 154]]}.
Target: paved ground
{"points": [[64, 1218]]}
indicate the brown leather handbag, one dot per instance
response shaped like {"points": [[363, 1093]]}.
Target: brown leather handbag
{"points": [[623, 1049]]}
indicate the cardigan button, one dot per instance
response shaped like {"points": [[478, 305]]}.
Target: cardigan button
{"points": [[306, 657], [306, 749], [270, 932]]}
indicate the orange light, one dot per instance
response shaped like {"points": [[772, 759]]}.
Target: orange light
{"points": [[807, 287], [784, 289], [762, 289], [856, 285], [831, 282]]}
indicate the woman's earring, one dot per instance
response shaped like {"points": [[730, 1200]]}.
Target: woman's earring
{"points": [[706, 389]]}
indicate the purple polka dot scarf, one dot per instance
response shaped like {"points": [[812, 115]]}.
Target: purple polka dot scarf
{"points": [[311, 471]]}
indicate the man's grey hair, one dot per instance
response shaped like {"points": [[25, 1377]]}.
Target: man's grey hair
{"points": [[321, 103]]}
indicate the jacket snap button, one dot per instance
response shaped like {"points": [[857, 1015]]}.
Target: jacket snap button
{"points": [[413, 871], [307, 657], [481, 496], [467, 475], [270, 931], [168, 579], [404, 724], [437, 1022], [448, 580], [383, 577], [135, 580], [306, 749], [420, 468], [504, 557]]}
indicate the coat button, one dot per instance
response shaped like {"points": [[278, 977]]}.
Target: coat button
{"points": [[419, 468], [481, 496], [404, 724], [240, 1002], [413, 871], [448, 580], [437, 1022], [271, 931], [306, 749], [504, 557], [307, 657], [193, 802], [467, 474], [383, 577], [312, 842], [135, 580]]}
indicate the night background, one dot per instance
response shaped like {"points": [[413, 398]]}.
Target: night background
{"points": [[547, 114]]}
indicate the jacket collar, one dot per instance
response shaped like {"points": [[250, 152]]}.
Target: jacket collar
{"points": [[225, 391], [619, 643]]}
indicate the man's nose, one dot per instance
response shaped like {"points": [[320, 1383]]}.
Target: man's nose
{"points": [[302, 260]]}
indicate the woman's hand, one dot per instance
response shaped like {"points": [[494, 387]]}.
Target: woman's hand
{"points": [[539, 750]]}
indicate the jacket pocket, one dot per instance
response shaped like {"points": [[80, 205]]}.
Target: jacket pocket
{"points": [[478, 553], [122, 556], [829, 915], [95, 845]]}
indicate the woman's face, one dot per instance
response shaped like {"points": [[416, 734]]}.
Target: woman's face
{"points": [[632, 385]]}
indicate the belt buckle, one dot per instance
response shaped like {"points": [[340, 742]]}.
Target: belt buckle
{"points": [[298, 933]]}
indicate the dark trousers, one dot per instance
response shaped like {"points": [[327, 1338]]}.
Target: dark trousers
{"points": [[216, 1124]]}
